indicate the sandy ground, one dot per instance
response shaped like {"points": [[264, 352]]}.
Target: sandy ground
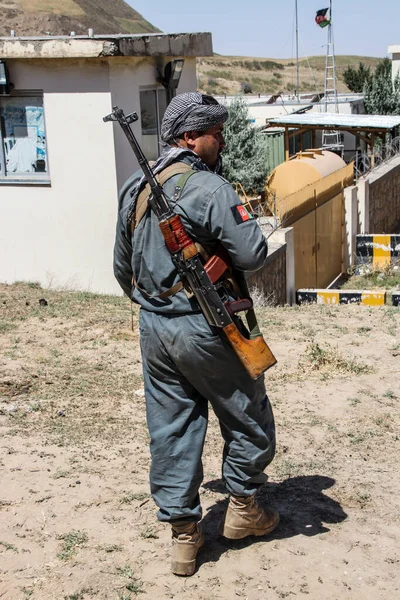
{"points": [[76, 519]]}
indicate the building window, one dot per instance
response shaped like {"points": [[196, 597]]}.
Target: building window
{"points": [[153, 103], [23, 151]]}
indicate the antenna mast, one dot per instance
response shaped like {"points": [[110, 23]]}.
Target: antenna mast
{"points": [[331, 139]]}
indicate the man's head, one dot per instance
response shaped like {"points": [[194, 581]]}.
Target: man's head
{"points": [[195, 121]]}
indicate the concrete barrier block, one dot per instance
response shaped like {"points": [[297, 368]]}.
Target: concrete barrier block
{"points": [[378, 250], [366, 297]]}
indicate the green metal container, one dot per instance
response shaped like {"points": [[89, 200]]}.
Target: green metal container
{"points": [[275, 141], [275, 149]]}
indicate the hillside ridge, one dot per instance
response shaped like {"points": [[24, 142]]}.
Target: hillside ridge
{"points": [[227, 75], [51, 17]]}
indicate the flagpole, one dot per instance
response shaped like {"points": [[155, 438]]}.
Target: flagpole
{"points": [[297, 53]]}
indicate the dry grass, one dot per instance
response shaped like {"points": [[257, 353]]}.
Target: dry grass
{"points": [[226, 74], [68, 8], [261, 300], [366, 277], [80, 356], [329, 362], [137, 26]]}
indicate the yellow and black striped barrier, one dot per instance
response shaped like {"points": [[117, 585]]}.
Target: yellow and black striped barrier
{"points": [[396, 298], [367, 297], [378, 250]]}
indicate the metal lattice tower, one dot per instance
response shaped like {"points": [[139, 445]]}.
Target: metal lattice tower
{"points": [[331, 139]]}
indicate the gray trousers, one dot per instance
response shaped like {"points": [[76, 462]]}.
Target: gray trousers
{"points": [[187, 364]]}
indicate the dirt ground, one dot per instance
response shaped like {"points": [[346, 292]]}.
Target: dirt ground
{"points": [[76, 519]]}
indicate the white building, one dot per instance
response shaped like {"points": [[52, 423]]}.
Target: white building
{"points": [[60, 165], [395, 52], [263, 108]]}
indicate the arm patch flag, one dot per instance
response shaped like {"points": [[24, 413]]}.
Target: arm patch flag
{"points": [[323, 18], [240, 214]]}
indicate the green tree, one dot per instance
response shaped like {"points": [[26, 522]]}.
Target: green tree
{"points": [[355, 79], [244, 158], [381, 94], [384, 68]]}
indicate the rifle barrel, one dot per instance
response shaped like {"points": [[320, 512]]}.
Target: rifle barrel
{"points": [[163, 208]]}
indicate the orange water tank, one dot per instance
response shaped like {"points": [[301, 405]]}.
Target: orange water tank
{"points": [[301, 170]]}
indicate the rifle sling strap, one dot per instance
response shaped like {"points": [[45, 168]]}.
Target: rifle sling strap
{"points": [[142, 204]]}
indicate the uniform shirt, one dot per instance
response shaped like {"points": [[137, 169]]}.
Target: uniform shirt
{"points": [[211, 212]]}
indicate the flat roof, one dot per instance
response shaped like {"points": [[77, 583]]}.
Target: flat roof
{"points": [[288, 99], [85, 46], [330, 120]]}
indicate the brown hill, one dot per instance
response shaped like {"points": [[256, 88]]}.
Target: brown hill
{"points": [[227, 74], [52, 17]]}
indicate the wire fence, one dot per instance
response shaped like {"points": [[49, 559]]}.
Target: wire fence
{"points": [[364, 162]]}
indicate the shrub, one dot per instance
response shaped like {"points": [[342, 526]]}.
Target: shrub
{"points": [[244, 158]]}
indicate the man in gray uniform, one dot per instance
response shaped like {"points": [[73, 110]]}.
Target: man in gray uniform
{"points": [[186, 363]]}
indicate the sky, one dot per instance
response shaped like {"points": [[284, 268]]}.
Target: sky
{"points": [[267, 28]]}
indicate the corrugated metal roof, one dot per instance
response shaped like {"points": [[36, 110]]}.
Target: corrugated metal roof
{"points": [[338, 120]]}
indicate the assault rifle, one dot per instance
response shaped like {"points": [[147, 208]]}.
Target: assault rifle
{"points": [[202, 279]]}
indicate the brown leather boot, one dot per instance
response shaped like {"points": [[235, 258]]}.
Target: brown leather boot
{"points": [[187, 539], [244, 517]]}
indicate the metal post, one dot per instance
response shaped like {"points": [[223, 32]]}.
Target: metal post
{"points": [[297, 53], [2, 148], [286, 143], [372, 150]]}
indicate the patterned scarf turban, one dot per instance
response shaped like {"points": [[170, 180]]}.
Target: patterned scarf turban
{"points": [[191, 111]]}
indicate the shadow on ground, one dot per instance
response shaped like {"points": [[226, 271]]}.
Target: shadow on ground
{"points": [[303, 507]]}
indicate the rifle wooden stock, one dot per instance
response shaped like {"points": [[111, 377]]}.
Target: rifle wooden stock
{"points": [[255, 354]]}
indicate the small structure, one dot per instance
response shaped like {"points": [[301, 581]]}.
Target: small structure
{"points": [[60, 166], [365, 127]]}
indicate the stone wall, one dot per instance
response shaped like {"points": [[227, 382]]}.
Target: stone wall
{"points": [[271, 279], [384, 198]]}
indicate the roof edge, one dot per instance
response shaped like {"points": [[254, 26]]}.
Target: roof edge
{"points": [[332, 121], [154, 44]]}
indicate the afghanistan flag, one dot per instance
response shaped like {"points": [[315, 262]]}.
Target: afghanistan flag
{"points": [[323, 18]]}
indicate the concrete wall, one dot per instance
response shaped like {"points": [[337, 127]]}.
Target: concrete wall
{"points": [[271, 279], [350, 227], [62, 235], [384, 198], [371, 206], [276, 279]]}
